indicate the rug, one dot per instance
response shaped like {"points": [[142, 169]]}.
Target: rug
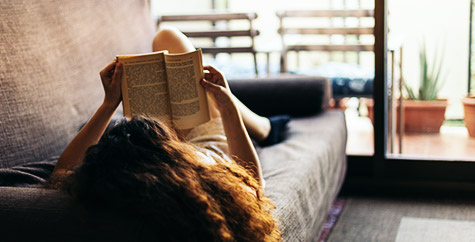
{"points": [[382, 219], [331, 219], [431, 230]]}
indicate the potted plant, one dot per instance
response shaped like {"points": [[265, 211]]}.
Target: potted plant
{"points": [[469, 109], [423, 110]]}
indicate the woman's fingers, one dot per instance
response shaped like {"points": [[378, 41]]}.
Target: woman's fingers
{"points": [[117, 73], [211, 69], [220, 94], [208, 76], [210, 86], [214, 78], [211, 73], [108, 69]]}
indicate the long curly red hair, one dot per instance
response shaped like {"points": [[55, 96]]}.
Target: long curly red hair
{"points": [[142, 170]]}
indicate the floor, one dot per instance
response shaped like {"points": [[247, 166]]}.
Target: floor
{"points": [[406, 219], [451, 143], [396, 219]]}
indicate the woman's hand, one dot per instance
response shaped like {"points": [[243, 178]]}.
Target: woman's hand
{"points": [[216, 84], [111, 76]]}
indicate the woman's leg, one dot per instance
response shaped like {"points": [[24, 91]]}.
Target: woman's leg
{"points": [[258, 127], [172, 40], [267, 131]]}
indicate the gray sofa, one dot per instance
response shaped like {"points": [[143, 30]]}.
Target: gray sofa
{"points": [[52, 52]]}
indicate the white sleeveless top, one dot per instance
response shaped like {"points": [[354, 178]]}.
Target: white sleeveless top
{"points": [[210, 140]]}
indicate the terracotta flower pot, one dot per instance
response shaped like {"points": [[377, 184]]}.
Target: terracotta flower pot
{"points": [[469, 108], [424, 116], [419, 116]]}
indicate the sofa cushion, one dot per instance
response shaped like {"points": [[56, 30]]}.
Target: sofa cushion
{"points": [[52, 52], [296, 95]]}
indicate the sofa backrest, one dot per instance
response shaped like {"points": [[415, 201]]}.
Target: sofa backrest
{"points": [[51, 54]]}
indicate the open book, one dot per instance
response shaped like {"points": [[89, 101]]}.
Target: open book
{"points": [[165, 87]]}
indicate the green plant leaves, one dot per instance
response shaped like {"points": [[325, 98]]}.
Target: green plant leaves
{"points": [[430, 80]]}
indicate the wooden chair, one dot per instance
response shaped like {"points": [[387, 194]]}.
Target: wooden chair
{"points": [[315, 15], [218, 25]]}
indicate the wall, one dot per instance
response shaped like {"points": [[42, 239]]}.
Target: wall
{"points": [[179, 6]]}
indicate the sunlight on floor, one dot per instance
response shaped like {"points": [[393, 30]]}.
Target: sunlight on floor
{"points": [[360, 131], [451, 143]]}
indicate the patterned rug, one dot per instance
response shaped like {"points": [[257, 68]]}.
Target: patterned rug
{"points": [[332, 218]]}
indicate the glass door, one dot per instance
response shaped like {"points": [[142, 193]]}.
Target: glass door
{"points": [[427, 78]]}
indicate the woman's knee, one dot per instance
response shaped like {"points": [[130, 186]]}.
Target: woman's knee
{"points": [[167, 33], [171, 39]]}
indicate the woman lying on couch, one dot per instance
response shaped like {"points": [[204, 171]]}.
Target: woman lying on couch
{"points": [[181, 184]]}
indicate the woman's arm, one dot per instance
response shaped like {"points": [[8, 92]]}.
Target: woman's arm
{"points": [[239, 143], [95, 127]]}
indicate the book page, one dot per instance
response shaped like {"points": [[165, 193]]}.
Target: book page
{"points": [[189, 103], [144, 86]]}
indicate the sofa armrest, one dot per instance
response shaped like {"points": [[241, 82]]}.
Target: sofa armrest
{"points": [[288, 94]]}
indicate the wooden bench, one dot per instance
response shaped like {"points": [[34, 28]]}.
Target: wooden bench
{"points": [[218, 25], [286, 30]]}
